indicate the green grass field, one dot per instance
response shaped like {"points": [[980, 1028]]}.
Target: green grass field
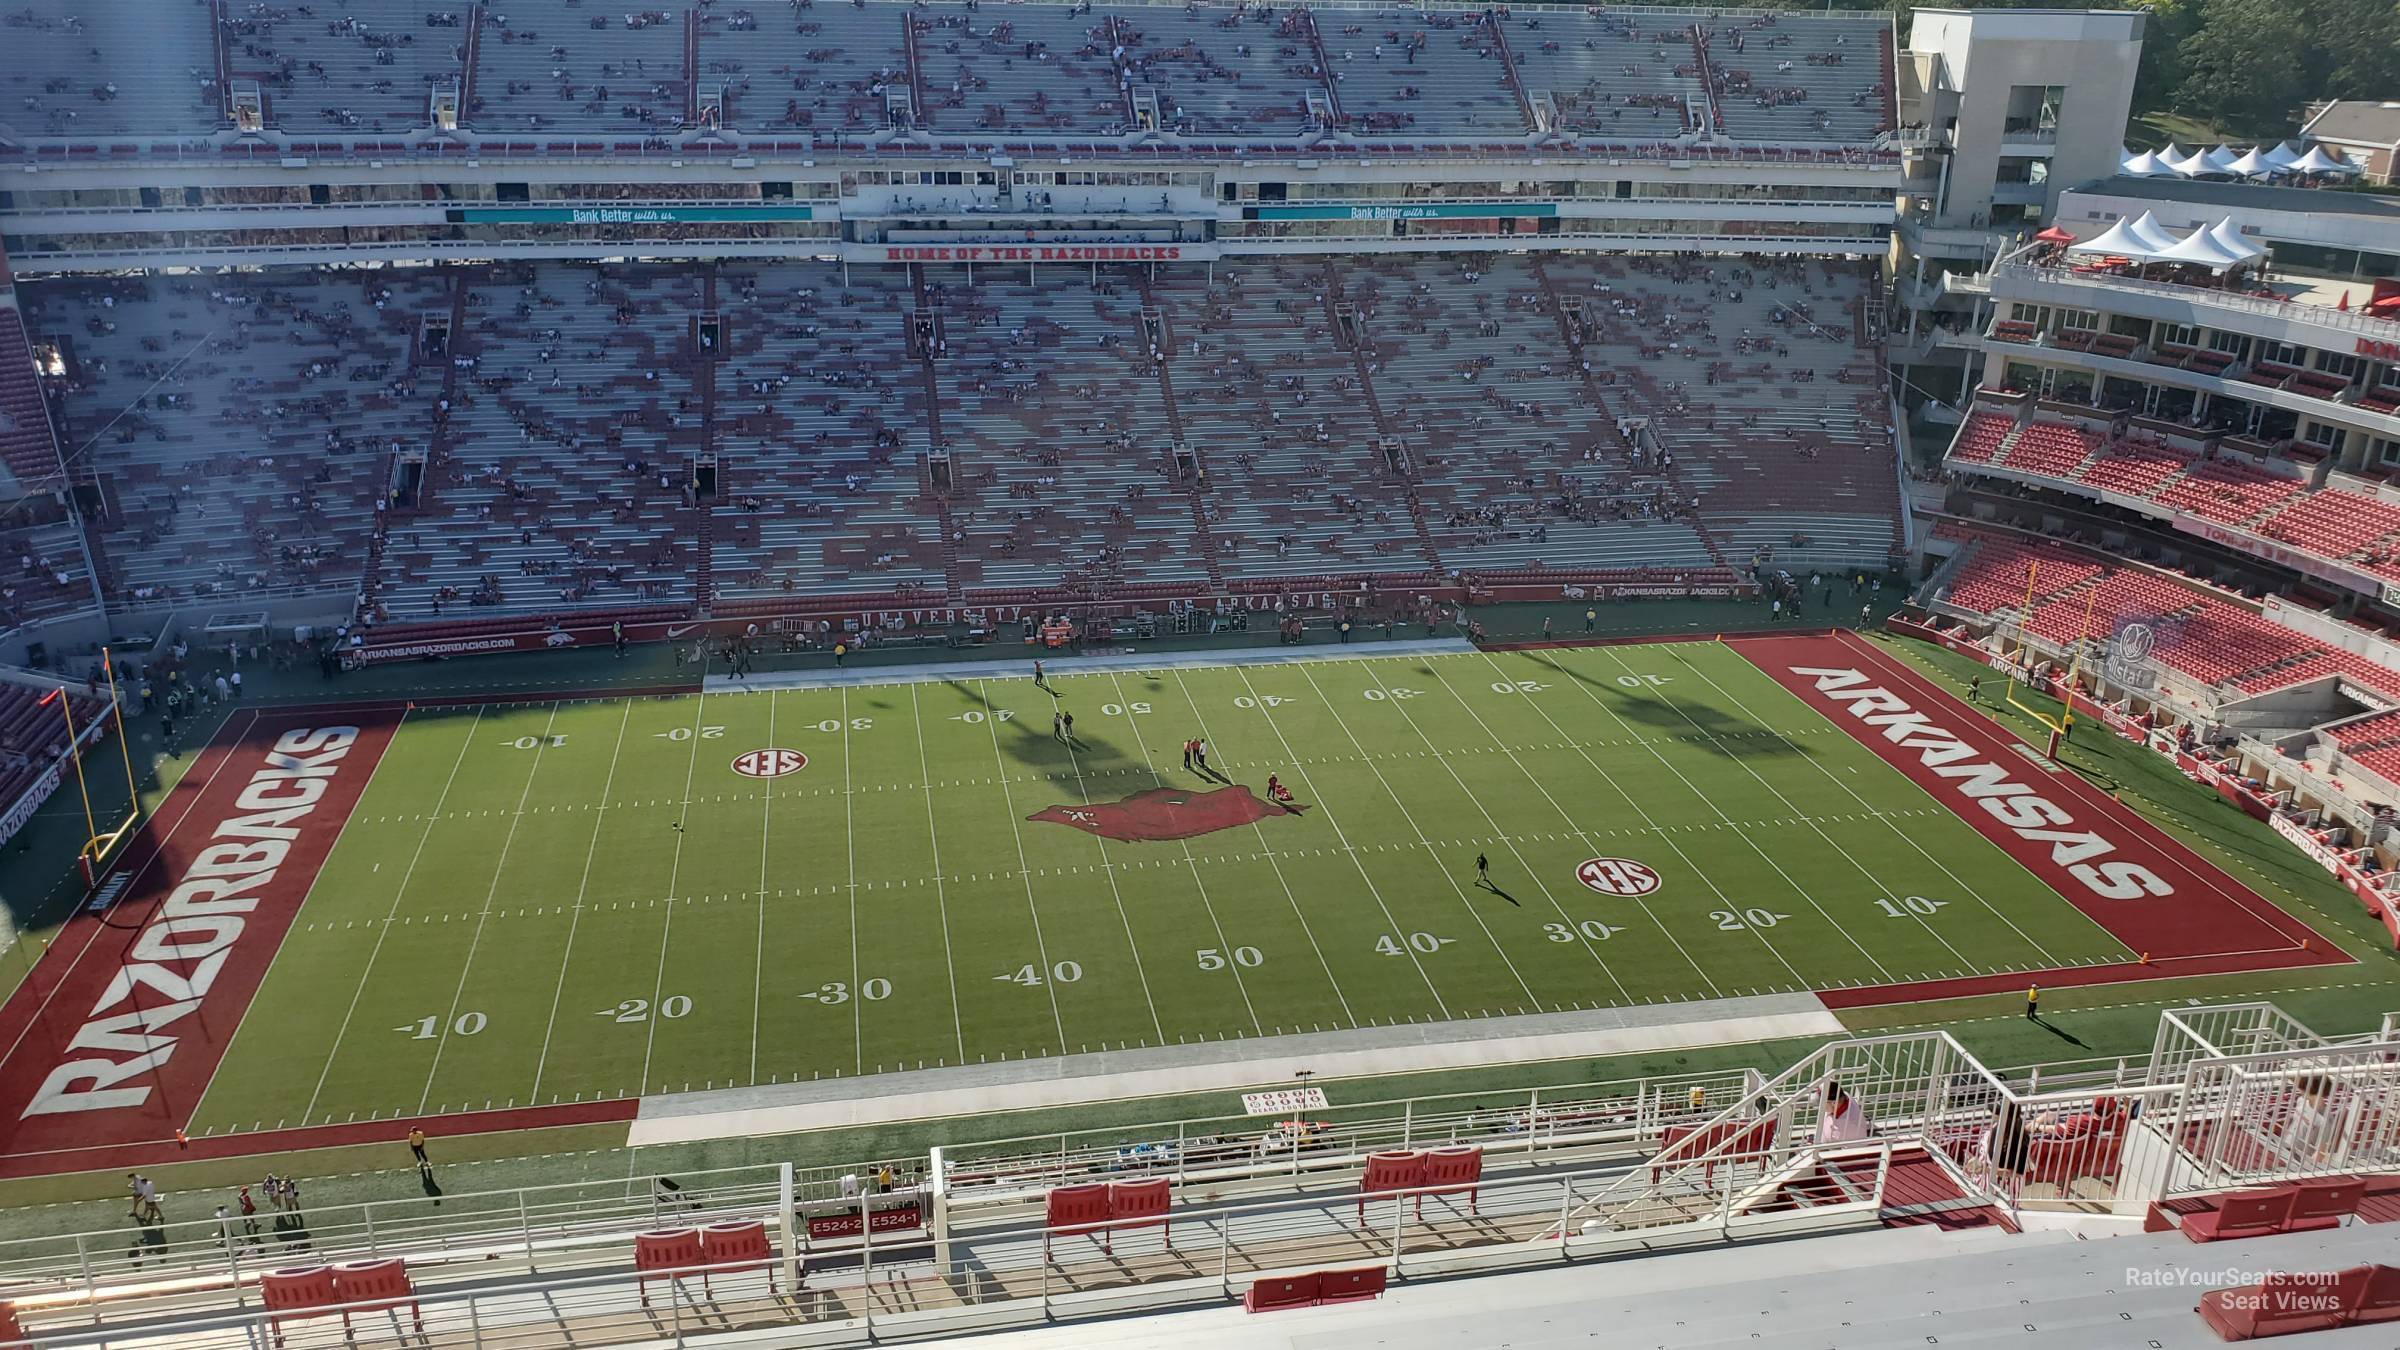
{"points": [[549, 902]]}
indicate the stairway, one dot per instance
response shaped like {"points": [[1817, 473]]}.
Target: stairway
{"points": [[1599, 401]]}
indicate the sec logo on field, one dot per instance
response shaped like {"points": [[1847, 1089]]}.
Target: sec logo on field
{"points": [[769, 763], [1616, 876]]}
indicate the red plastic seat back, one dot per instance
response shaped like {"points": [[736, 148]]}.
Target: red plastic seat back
{"points": [[736, 1244], [2329, 1198], [10, 1330], [373, 1281], [2253, 1212], [1349, 1286], [1454, 1167], [2379, 1296], [2291, 1301], [1290, 1291], [293, 1290], [1077, 1207], [1393, 1172], [675, 1250], [1139, 1199]]}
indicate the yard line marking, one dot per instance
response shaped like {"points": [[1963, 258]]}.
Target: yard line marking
{"points": [[758, 968], [1836, 845], [1715, 991], [1041, 948], [666, 929], [1325, 807], [1711, 804], [1885, 819], [1590, 948], [1268, 852], [941, 893], [384, 929], [475, 942], [858, 997], [1117, 893], [1224, 944], [1414, 828]]}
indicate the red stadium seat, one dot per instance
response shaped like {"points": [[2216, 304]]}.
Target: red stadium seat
{"points": [[2247, 1214], [1451, 1170], [1390, 1172], [1288, 1291], [379, 1285], [297, 1293], [1072, 1210], [1351, 1286], [1141, 1204], [2324, 1203], [727, 1247], [665, 1256], [2278, 1306], [2377, 1298], [10, 1329]]}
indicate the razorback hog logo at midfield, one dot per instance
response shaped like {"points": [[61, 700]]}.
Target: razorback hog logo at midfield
{"points": [[1166, 813], [2035, 818], [181, 951]]}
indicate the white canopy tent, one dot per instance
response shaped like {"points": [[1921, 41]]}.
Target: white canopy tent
{"points": [[2228, 236], [2148, 165], [2252, 164], [2190, 166], [2317, 161], [2146, 228], [2282, 156], [2221, 160], [2199, 249], [2118, 239]]}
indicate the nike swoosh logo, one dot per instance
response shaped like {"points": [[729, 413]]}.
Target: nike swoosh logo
{"points": [[673, 633]]}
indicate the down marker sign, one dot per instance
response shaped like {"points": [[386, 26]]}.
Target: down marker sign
{"points": [[1617, 876], [769, 763]]}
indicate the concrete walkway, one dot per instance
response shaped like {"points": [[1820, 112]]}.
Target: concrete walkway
{"points": [[1124, 658], [1121, 1075]]}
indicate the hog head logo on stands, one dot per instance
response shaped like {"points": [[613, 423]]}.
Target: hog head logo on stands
{"points": [[1167, 813]]}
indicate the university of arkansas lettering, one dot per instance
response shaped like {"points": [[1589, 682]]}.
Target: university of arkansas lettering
{"points": [[179, 955]]}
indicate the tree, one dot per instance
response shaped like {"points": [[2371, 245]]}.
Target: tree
{"points": [[2245, 68]]}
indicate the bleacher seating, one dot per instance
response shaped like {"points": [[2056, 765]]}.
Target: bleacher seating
{"points": [[2057, 449], [559, 425], [31, 736], [2228, 491], [2197, 632], [556, 67], [1983, 434]]}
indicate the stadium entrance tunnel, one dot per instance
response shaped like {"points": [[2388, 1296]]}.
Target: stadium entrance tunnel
{"points": [[1169, 813]]}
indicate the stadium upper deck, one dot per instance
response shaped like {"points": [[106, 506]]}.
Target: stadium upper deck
{"points": [[179, 78]]}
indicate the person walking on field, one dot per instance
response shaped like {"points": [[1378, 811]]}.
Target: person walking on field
{"points": [[1070, 728], [416, 1145], [1483, 871], [2033, 1003], [1187, 755], [1200, 755]]}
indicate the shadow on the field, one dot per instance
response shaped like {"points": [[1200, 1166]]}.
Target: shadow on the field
{"points": [[1032, 739], [1658, 710]]}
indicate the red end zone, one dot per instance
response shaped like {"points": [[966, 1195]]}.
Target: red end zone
{"points": [[2132, 878], [114, 1035]]}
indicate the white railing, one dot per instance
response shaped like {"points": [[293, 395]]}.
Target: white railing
{"points": [[1539, 1122], [2295, 311], [1025, 1273]]}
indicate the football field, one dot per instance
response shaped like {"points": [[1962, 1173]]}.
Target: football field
{"points": [[543, 903]]}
